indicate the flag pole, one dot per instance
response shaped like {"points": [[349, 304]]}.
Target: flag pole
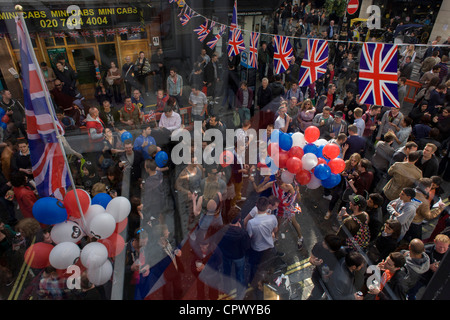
{"points": [[19, 10]]}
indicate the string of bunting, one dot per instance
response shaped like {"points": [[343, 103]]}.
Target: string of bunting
{"points": [[377, 66], [184, 5]]}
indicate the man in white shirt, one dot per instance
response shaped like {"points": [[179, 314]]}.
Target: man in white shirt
{"points": [[260, 230], [170, 119], [283, 120]]}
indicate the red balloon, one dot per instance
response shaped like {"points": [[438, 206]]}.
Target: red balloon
{"points": [[114, 244], [294, 165], [331, 150], [303, 177], [321, 161], [336, 165], [121, 225], [38, 255], [312, 133], [281, 160], [70, 202], [296, 151], [227, 158], [273, 149], [5, 118]]}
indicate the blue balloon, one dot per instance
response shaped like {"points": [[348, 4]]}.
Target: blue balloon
{"points": [[322, 171], [49, 210], [101, 199], [310, 148], [126, 136], [2, 113], [161, 159], [285, 141], [319, 153], [332, 181]]}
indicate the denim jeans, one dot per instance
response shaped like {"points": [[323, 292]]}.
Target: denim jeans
{"points": [[244, 114], [239, 265]]}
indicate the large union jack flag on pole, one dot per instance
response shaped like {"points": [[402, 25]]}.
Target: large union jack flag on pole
{"points": [[314, 63], [282, 55], [48, 163], [233, 24], [378, 75], [235, 43], [253, 55]]}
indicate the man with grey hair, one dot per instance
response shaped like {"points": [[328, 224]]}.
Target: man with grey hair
{"points": [[283, 120]]}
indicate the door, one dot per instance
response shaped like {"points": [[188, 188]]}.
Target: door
{"points": [[83, 60]]}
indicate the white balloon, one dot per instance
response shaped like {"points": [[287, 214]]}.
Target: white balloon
{"points": [[99, 276], [93, 210], [67, 231], [287, 177], [119, 208], [320, 142], [93, 255], [298, 139], [314, 183], [309, 161], [64, 255], [102, 225]]}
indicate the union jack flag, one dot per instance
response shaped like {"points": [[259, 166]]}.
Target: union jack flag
{"points": [[74, 34], [202, 31], [202, 28], [136, 29], [378, 75], [122, 30], [98, 33], [49, 169], [217, 37], [253, 56], [236, 43], [314, 63], [282, 55], [59, 34], [85, 33], [233, 24], [110, 32], [186, 16]]}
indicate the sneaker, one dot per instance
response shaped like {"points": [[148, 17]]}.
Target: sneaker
{"points": [[328, 197], [327, 215], [300, 243]]}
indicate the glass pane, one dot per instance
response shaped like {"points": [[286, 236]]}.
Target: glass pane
{"points": [[84, 65]]}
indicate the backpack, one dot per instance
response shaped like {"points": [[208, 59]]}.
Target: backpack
{"points": [[362, 237]]}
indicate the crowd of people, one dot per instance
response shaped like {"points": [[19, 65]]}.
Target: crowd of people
{"points": [[186, 223]]}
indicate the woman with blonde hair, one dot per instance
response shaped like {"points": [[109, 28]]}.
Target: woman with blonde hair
{"points": [[409, 52], [306, 115]]}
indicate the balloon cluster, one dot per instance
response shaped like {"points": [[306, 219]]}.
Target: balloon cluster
{"points": [[311, 161], [104, 217]]}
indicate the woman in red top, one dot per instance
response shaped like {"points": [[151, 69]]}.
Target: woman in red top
{"points": [[23, 193]]}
